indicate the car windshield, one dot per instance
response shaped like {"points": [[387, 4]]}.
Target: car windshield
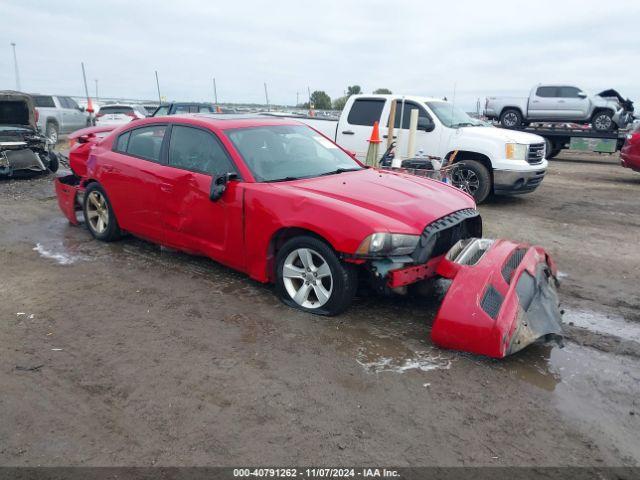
{"points": [[288, 152], [452, 116]]}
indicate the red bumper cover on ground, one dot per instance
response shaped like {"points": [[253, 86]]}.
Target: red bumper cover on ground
{"points": [[501, 299]]}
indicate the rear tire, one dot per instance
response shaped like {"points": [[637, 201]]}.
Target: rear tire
{"points": [[54, 162], [311, 278], [511, 118], [602, 121], [472, 177], [98, 214], [52, 132]]}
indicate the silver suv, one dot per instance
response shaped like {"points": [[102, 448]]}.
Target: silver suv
{"points": [[59, 115]]}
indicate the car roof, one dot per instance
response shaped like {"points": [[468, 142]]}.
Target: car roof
{"points": [[222, 121]]}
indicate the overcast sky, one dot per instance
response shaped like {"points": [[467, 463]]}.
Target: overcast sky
{"points": [[413, 47]]}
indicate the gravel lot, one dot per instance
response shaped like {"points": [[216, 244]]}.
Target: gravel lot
{"points": [[129, 354]]}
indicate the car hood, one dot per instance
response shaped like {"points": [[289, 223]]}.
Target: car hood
{"points": [[396, 200], [503, 134], [17, 108]]}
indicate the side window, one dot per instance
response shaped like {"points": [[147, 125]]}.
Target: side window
{"points": [[205, 109], [44, 101], [121, 143], [146, 142], [161, 111], [406, 117], [181, 109], [197, 150], [73, 103], [569, 92], [65, 102], [365, 111], [547, 92]]}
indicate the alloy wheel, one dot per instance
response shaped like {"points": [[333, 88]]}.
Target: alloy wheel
{"points": [[466, 180], [307, 278], [602, 122], [97, 212], [510, 119]]}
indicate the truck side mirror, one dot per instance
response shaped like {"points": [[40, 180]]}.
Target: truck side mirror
{"points": [[219, 185], [425, 124]]}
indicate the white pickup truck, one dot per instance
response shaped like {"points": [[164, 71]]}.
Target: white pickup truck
{"points": [[496, 160]]}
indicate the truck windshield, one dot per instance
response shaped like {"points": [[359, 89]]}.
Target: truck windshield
{"points": [[452, 116], [289, 152]]}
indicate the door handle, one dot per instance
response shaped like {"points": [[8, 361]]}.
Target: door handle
{"points": [[387, 136], [348, 132]]}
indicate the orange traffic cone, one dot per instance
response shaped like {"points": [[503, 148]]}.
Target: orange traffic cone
{"points": [[89, 105], [374, 142], [218, 109]]}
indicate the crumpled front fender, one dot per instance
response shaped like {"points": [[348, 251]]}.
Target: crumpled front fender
{"points": [[502, 298]]}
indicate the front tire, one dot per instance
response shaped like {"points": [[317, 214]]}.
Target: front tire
{"points": [[54, 162], [311, 278], [511, 118], [603, 121], [472, 177], [98, 214]]}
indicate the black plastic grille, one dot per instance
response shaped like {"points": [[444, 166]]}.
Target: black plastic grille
{"points": [[491, 302], [512, 263], [536, 153], [442, 234]]}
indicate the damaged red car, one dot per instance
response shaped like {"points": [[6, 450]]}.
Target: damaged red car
{"points": [[284, 204]]}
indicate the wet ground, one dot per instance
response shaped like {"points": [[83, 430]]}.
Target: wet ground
{"points": [[129, 354]]}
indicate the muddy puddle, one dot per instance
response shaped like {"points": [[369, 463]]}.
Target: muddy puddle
{"points": [[597, 322]]}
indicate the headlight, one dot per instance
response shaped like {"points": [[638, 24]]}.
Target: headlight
{"points": [[516, 151], [388, 244]]}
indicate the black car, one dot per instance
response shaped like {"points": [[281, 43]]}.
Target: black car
{"points": [[23, 148], [177, 108]]}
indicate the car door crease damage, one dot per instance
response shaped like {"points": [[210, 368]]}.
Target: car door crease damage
{"points": [[502, 295]]}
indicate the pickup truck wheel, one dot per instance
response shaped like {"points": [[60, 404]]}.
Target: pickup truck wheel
{"points": [[51, 132], [602, 121], [310, 277], [511, 118], [98, 214], [472, 177]]}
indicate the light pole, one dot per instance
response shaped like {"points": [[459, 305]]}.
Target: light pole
{"points": [[96, 80], [15, 64]]}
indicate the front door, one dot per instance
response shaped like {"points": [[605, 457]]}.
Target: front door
{"points": [[191, 221], [354, 130], [573, 104], [427, 143]]}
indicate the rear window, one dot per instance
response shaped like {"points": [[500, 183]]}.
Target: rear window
{"points": [[146, 142], [547, 92], [114, 110], [43, 101], [365, 111]]}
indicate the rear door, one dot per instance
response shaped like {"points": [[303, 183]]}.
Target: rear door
{"points": [[428, 142], [571, 104], [130, 175], [190, 220], [543, 104], [354, 127]]}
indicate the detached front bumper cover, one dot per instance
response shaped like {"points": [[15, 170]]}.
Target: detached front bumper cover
{"points": [[502, 298]]}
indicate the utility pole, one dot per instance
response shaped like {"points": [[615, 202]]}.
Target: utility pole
{"points": [[15, 66], [266, 95], [215, 92], [158, 85], [96, 80], [309, 92], [86, 92]]}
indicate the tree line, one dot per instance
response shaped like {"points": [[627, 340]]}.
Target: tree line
{"points": [[321, 101]]}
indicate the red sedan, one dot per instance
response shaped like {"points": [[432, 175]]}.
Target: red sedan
{"points": [[279, 201], [630, 153]]}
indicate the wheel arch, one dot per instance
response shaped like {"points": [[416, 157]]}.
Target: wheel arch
{"points": [[281, 236], [471, 155], [511, 107]]}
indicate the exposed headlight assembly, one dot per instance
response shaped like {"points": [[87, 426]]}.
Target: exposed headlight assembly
{"points": [[516, 151], [391, 244]]}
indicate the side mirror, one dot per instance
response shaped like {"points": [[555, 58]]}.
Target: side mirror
{"points": [[426, 125], [81, 109], [219, 185], [582, 95]]}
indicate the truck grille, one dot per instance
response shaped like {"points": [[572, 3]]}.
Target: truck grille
{"points": [[442, 234], [536, 153]]}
